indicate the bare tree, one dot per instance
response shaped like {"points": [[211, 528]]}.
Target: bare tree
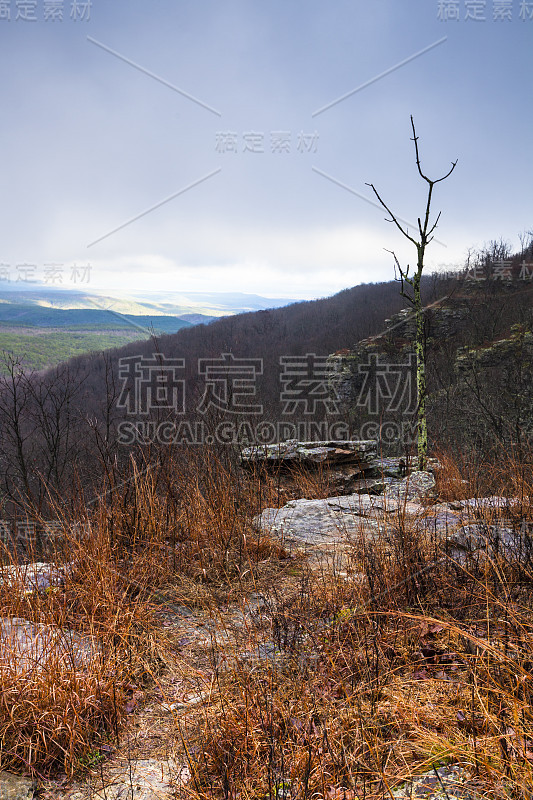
{"points": [[39, 432], [425, 229], [526, 244]]}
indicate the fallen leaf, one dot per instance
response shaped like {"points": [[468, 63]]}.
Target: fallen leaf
{"points": [[133, 702], [436, 628]]}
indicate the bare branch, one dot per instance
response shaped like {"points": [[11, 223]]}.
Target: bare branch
{"points": [[454, 164], [419, 166], [435, 224], [393, 218], [404, 276]]}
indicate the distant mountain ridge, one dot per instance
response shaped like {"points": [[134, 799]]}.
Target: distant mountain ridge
{"points": [[202, 306], [41, 326], [213, 303]]}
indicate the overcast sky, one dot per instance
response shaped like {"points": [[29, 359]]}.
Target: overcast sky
{"points": [[217, 121]]}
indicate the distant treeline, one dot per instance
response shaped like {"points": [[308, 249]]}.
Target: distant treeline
{"points": [[89, 319]]}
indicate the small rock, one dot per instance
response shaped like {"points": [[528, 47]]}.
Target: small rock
{"points": [[186, 702], [450, 782], [417, 484], [492, 540]]}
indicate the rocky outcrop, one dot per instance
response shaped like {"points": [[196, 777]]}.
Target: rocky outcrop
{"points": [[316, 522], [351, 466], [393, 347], [498, 354], [479, 374], [309, 454]]}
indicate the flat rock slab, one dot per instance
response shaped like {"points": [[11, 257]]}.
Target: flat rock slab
{"points": [[25, 645], [13, 787], [318, 522], [145, 779]]}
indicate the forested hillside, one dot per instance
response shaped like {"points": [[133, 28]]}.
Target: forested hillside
{"points": [[320, 327], [266, 376]]}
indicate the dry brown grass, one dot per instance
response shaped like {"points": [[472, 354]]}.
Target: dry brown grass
{"points": [[412, 662], [453, 479], [52, 717], [156, 539], [59, 702], [350, 685]]}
